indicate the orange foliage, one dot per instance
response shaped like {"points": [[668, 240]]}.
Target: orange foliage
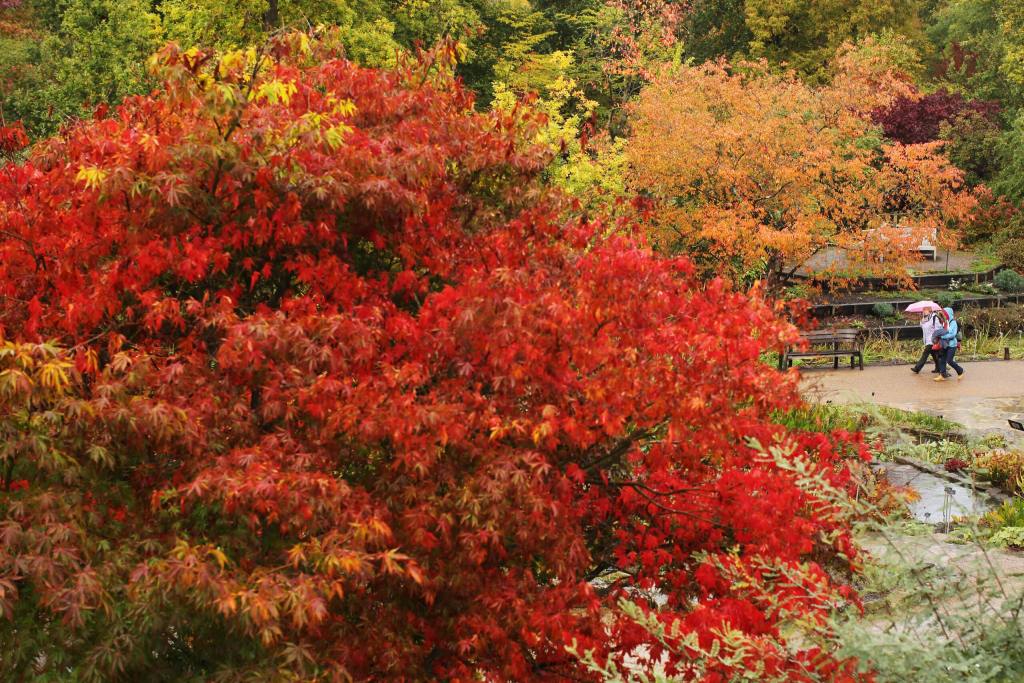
{"points": [[755, 172]]}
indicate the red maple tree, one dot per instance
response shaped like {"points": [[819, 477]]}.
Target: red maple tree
{"points": [[335, 388]]}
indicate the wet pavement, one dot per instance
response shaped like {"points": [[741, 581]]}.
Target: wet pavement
{"points": [[988, 394]]}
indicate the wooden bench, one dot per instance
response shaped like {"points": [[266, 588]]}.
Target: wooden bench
{"points": [[834, 343]]}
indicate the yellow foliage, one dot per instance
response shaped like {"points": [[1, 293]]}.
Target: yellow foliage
{"points": [[276, 92], [92, 176]]}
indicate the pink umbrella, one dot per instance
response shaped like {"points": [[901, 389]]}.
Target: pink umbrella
{"points": [[920, 306]]}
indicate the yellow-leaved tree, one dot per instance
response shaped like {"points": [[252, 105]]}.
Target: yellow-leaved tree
{"points": [[754, 172]]}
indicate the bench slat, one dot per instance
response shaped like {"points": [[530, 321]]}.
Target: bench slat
{"points": [[843, 341]]}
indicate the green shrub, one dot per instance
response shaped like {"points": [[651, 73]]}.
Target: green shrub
{"points": [[941, 623], [946, 299], [1009, 514], [1010, 280], [1008, 537], [1011, 253], [883, 310]]}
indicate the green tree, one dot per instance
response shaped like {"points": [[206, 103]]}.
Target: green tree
{"points": [[96, 54], [716, 28], [969, 39], [806, 34], [365, 29]]}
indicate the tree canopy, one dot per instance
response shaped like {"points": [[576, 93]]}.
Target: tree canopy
{"points": [[336, 388], [407, 340], [759, 172]]}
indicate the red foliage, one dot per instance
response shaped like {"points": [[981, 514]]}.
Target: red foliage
{"points": [[12, 138], [960, 60], [955, 465], [366, 398], [913, 121]]}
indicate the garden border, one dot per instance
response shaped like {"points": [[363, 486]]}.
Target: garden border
{"points": [[864, 307], [922, 281]]}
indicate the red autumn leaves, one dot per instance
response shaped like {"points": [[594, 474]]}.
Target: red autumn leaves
{"points": [[367, 400]]}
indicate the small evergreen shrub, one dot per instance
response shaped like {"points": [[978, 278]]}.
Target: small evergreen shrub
{"points": [[1010, 280], [883, 310]]}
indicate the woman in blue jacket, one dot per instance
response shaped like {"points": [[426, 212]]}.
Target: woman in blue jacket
{"points": [[949, 346]]}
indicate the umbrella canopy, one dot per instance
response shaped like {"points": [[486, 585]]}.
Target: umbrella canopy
{"points": [[919, 306]]}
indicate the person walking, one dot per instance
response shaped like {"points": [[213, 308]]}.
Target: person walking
{"points": [[930, 323], [949, 341]]}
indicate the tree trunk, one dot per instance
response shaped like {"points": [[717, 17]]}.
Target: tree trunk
{"points": [[270, 17]]}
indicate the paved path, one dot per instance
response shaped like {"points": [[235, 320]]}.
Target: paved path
{"points": [[989, 393]]}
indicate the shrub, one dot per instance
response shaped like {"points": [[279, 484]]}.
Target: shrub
{"points": [[374, 421], [1004, 468], [1001, 320], [1011, 253], [1010, 280], [941, 622], [883, 310], [1008, 537], [992, 217], [946, 299], [1009, 514], [955, 465], [912, 121]]}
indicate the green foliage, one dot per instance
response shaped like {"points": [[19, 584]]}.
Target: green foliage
{"points": [[1008, 537], [716, 28], [96, 54], [1011, 280], [823, 417], [936, 622], [972, 139], [973, 43], [366, 30], [915, 419], [1009, 514], [935, 452], [806, 35], [1011, 16], [1010, 180], [594, 173], [883, 310]]}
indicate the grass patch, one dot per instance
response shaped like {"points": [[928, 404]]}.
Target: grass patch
{"points": [[876, 421], [982, 346], [986, 257], [898, 417]]}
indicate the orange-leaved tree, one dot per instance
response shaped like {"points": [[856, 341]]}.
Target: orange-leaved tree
{"points": [[755, 172], [338, 390]]}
